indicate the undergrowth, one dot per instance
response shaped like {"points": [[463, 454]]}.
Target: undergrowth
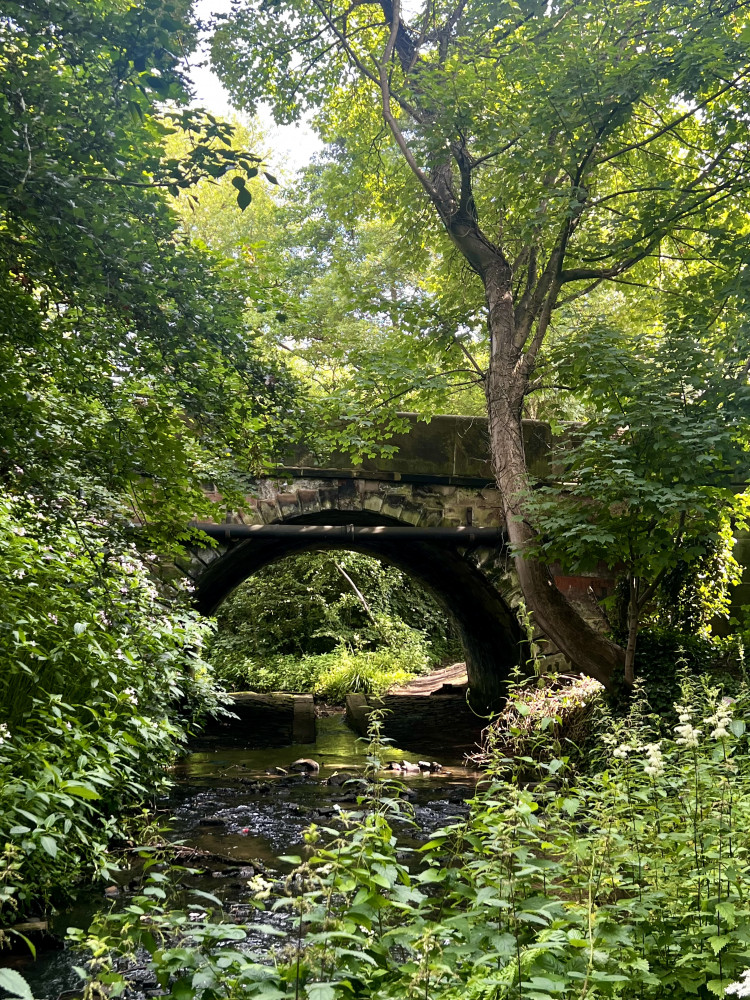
{"points": [[101, 677], [349, 667], [629, 881]]}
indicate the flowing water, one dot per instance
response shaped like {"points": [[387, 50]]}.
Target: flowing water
{"points": [[232, 802]]}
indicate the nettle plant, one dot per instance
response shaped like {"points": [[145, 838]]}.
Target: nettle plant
{"points": [[629, 882]]}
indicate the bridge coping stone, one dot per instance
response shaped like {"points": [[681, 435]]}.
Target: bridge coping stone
{"points": [[445, 448]]}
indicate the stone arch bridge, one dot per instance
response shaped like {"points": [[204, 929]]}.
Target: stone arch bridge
{"points": [[404, 510]]}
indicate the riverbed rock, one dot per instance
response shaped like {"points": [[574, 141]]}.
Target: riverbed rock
{"points": [[424, 765], [339, 778], [306, 765], [408, 768], [261, 787], [144, 979], [211, 821], [277, 770], [324, 812]]}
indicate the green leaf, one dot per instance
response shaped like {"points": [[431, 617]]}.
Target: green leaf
{"points": [[80, 791], [50, 845], [15, 984], [204, 977], [266, 929], [321, 991], [728, 912], [717, 986], [183, 989], [244, 198], [719, 941], [431, 875], [206, 895]]}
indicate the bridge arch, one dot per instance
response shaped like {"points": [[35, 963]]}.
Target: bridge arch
{"points": [[488, 627]]}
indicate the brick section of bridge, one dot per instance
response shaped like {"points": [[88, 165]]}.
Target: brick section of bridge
{"points": [[424, 505]]}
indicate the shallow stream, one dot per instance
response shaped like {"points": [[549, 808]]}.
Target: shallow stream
{"points": [[226, 802]]}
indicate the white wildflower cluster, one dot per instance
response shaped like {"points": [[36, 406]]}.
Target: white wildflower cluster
{"points": [[687, 734], [654, 766], [740, 988], [721, 720], [4, 733], [131, 696], [622, 751]]}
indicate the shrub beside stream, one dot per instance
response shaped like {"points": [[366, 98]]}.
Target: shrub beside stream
{"points": [[101, 675]]}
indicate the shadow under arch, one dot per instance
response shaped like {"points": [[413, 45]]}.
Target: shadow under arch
{"points": [[489, 630]]}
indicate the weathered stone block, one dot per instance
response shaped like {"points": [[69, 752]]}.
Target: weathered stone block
{"points": [[389, 510], [411, 516], [268, 511], [307, 496]]}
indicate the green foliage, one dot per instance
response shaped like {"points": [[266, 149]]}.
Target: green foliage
{"points": [[653, 478], [659, 656], [630, 882], [101, 673], [130, 379], [130, 370], [299, 625], [649, 477], [531, 128], [333, 675]]}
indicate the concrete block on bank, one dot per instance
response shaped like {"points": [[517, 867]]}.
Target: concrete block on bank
{"points": [[303, 722], [357, 713]]}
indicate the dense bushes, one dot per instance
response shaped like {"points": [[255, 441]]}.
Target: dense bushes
{"points": [[332, 675], [329, 622], [659, 653], [100, 676]]}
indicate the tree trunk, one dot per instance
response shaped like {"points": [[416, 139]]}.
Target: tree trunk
{"points": [[633, 621], [508, 373], [587, 649]]}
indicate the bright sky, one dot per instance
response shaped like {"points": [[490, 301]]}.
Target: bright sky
{"points": [[292, 146]]}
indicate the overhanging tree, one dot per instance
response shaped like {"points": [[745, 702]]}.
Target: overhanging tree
{"points": [[561, 146], [130, 370]]}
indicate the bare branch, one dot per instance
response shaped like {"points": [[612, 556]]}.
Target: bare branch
{"points": [[385, 92], [675, 121]]}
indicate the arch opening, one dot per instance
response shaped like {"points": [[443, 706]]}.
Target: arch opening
{"points": [[488, 628]]}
